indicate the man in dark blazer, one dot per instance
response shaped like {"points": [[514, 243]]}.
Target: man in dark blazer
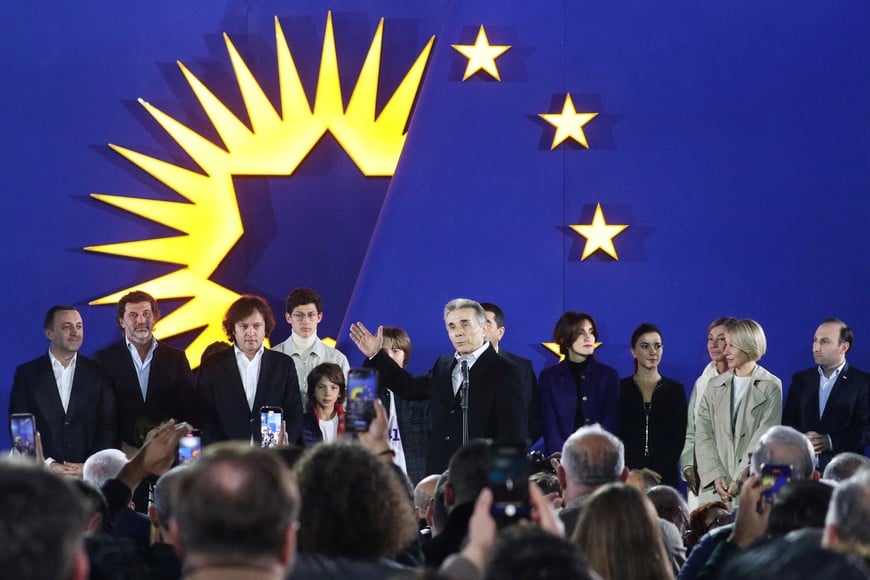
{"points": [[69, 395], [235, 383], [152, 380], [496, 400], [829, 403], [494, 332]]}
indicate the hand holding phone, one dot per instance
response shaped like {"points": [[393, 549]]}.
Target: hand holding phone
{"points": [[22, 428], [189, 447], [271, 421], [509, 481], [362, 390], [774, 476]]}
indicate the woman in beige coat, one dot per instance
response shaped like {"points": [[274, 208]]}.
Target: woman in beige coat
{"points": [[736, 409]]}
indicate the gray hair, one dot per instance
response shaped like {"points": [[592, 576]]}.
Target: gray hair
{"points": [[845, 465], [103, 466], [849, 510], [593, 456], [164, 494], [783, 444], [458, 303]]}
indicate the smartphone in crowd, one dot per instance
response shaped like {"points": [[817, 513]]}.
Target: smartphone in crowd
{"points": [[189, 447], [508, 475], [22, 428], [774, 476], [270, 426], [362, 390]]}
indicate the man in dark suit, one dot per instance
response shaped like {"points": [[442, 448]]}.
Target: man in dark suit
{"points": [[235, 383], [496, 401], [69, 395], [829, 403], [152, 380], [494, 332]]}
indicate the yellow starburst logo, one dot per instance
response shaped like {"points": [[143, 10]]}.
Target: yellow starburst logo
{"points": [[274, 145]]}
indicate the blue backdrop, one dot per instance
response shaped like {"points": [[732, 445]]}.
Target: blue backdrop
{"points": [[731, 138]]}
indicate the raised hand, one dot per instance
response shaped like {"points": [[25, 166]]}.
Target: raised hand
{"points": [[369, 344]]}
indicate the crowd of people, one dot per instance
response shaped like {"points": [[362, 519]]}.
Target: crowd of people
{"points": [[413, 494]]}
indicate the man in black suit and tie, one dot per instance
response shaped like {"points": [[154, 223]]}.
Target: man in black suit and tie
{"points": [[235, 383], [829, 403], [496, 401], [69, 395], [152, 380], [494, 332]]}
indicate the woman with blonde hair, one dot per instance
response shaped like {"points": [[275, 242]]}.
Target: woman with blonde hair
{"points": [[736, 409], [620, 535]]}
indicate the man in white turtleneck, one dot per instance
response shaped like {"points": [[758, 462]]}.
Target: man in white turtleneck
{"points": [[304, 311]]}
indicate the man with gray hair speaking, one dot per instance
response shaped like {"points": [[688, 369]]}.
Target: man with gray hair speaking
{"points": [[496, 402]]}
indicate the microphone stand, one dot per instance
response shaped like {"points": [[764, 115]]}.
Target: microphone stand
{"points": [[463, 392]]}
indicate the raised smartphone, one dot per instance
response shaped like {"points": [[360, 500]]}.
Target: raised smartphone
{"points": [[509, 481], [22, 428], [189, 447], [774, 476], [270, 426], [362, 390]]}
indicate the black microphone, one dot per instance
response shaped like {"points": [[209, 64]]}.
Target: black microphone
{"points": [[463, 370]]}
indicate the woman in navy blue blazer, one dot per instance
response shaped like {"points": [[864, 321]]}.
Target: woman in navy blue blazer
{"points": [[579, 390]]}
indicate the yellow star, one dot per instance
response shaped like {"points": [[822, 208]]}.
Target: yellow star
{"points": [[569, 123], [553, 347], [599, 235], [481, 55]]}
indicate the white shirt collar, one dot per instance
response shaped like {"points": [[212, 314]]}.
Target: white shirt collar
{"points": [[240, 354], [131, 347], [472, 357], [55, 361], [836, 372]]}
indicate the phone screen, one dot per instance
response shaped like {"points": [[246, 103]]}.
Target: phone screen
{"points": [[774, 476], [22, 427], [189, 448], [362, 389], [509, 481], [270, 426]]}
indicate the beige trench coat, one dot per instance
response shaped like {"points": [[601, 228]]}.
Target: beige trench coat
{"points": [[721, 451]]}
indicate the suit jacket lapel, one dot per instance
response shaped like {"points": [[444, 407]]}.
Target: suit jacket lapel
{"points": [[263, 381], [233, 387], [477, 374], [752, 401], [838, 390], [444, 382], [812, 400], [47, 394], [80, 379], [154, 377], [722, 402], [129, 374]]}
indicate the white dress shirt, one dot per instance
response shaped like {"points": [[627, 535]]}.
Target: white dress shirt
{"points": [[250, 372], [143, 368], [826, 385], [63, 378]]}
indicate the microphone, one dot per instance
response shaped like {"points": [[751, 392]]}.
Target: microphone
{"points": [[463, 370]]}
